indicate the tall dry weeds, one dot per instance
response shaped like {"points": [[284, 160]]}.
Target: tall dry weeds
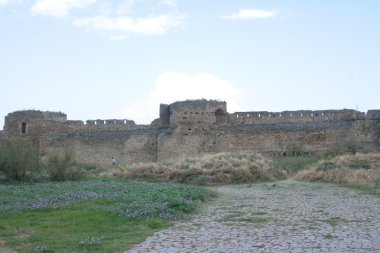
{"points": [[361, 170], [210, 169]]}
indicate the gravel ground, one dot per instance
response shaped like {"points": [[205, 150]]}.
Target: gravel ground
{"points": [[286, 216]]}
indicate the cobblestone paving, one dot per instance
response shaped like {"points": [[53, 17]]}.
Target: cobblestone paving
{"points": [[286, 216]]}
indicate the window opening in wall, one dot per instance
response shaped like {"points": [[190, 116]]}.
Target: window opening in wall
{"points": [[259, 115], [248, 115], [269, 115], [237, 115], [125, 121], [291, 115], [322, 114], [280, 115], [301, 115], [23, 127], [311, 114]]}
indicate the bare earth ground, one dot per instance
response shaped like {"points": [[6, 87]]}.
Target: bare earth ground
{"points": [[286, 216], [4, 249]]}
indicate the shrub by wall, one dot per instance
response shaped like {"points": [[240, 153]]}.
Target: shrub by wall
{"points": [[19, 159]]}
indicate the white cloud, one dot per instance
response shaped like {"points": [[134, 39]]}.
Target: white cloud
{"points": [[169, 2], [122, 26], [172, 86], [5, 2], [252, 14], [59, 8]]}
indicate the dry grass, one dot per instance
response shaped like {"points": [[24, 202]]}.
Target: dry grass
{"points": [[361, 170], [212, 169]]}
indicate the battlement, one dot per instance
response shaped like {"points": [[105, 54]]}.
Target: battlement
{"points": [[373, 114], [191, 128], [193, 111], [265, 117]]}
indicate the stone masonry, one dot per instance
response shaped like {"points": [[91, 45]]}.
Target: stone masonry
{"points": [[193, 128]]}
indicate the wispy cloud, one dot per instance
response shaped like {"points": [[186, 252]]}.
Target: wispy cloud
{"points": [[169, 2], [122, 27], [252, 14], [59, 8], [174, 86], [5, 2]]}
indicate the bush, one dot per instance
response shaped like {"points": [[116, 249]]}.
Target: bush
{"points": [[19, 159], [64, 168]]}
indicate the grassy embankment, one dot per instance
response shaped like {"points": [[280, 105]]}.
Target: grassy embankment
{"points": [[359, 170], [212, 169], [89, 216]]}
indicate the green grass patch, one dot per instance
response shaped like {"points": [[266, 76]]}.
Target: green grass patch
{"points": [[328, 236], [80, 228], [259, 213], [293, 164], [333, 221], [90, 216], [255, 219]]}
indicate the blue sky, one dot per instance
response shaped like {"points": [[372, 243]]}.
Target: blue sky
{"points": [[119, 59]]}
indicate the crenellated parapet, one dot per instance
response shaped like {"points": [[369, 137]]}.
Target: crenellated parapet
{"points": [[302, 116]]}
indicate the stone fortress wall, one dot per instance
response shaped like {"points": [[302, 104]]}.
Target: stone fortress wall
{"points": [[192, 128]]}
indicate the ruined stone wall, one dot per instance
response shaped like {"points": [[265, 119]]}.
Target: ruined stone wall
{"points": [[373, 114], [200, 111], [193, 128], [98, 147], [313, 137], [32, 124], [264, 117]]}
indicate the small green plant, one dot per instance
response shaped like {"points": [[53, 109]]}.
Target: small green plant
{"points": [[295, 149], [361, 164], [64, 168], [352, 147], [19, 159], [329, 165]]}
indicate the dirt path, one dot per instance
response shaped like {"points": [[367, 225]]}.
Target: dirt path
{"points": [[288, 216]]}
